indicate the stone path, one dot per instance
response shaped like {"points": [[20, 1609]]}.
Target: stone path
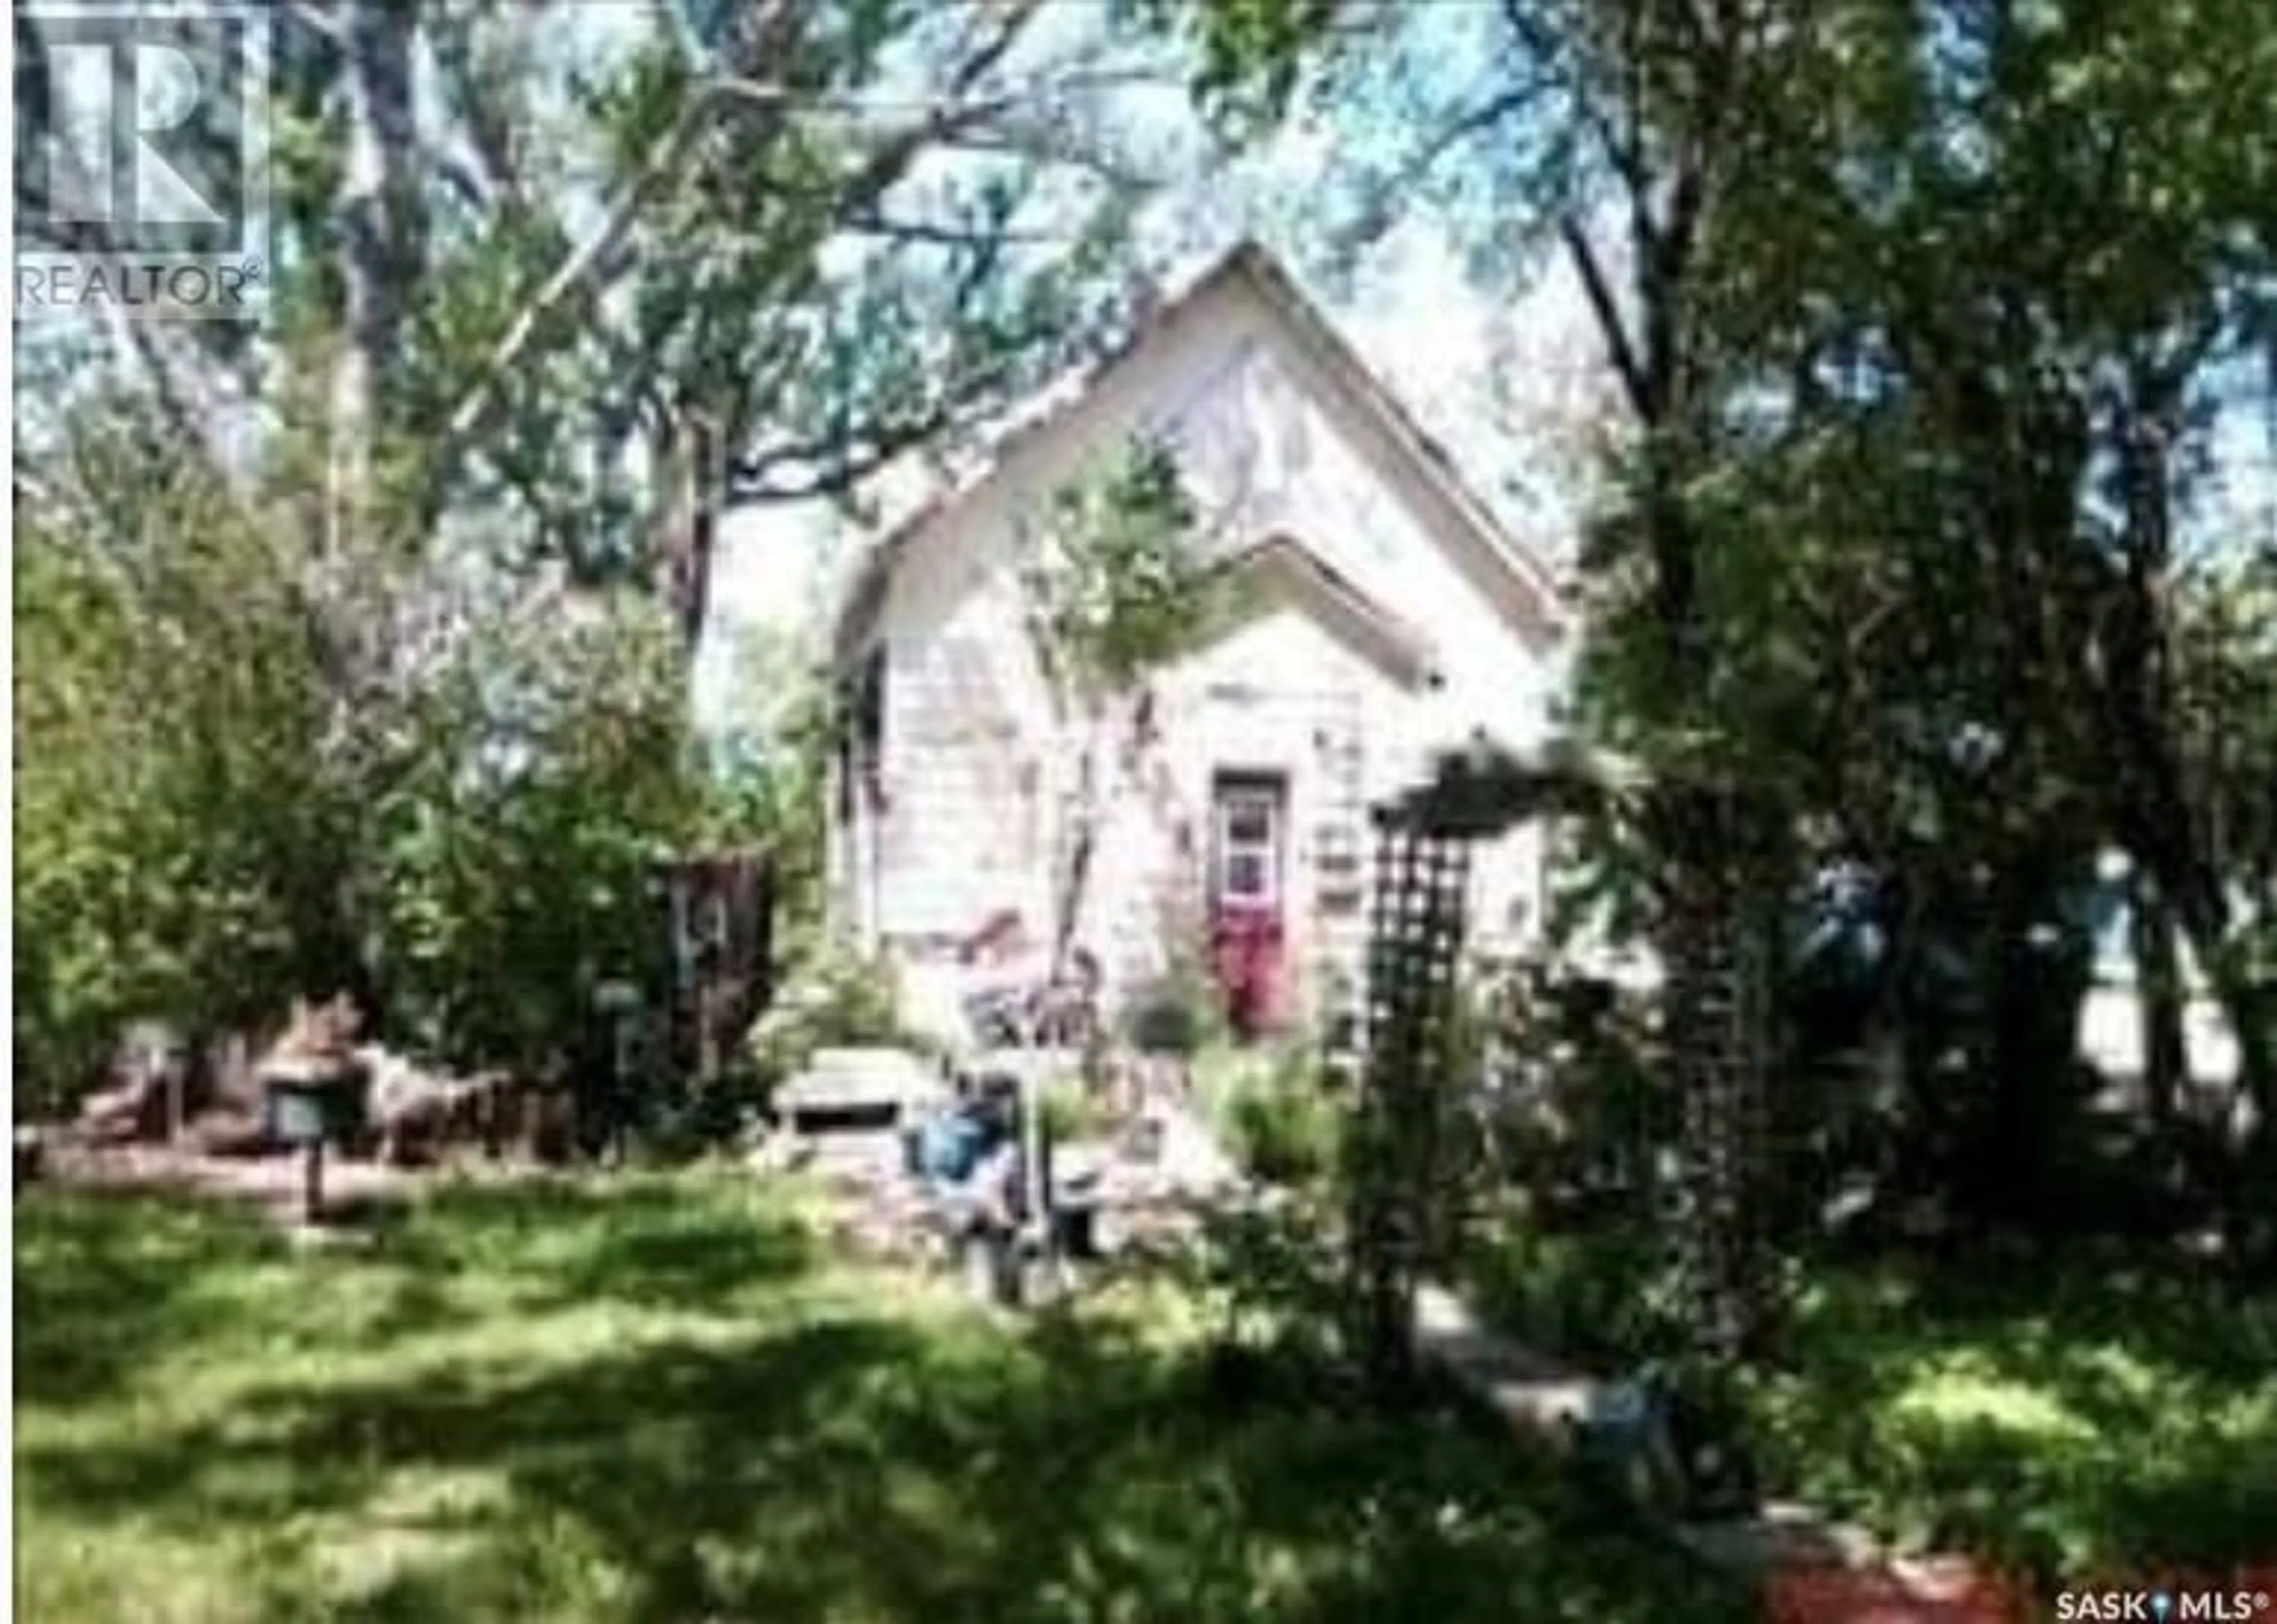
{"points": [[1810, 1569]]}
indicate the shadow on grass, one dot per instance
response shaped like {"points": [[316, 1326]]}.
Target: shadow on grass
{"points": [[865, 1468], [877, 1464], [109, 1283], [106, 1284], [639, 1240]]}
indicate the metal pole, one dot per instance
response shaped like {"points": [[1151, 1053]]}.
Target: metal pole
{"points": [[1031, 1154], [620, 1084], [312, 1182]]}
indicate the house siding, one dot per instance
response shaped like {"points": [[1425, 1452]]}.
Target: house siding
{"points": [[968, 777]]}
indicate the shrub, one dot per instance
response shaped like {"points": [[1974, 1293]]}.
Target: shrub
{"points": [[177, 831], [1604, 1297], [685, 1118], [833, 998], [245, 778], [1070, 1110], [1269, 1107], [1182, 1013], [1277, 1281], [508, 881], [1581, 1110], [838, 996]]}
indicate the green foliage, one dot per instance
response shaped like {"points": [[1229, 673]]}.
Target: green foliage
{"points": [[2057, 1420], [515, 848], [1277, 1284], [1603, 1296], [1585, 1121], [1284, 1135], [1924, 318], [1269, 1108], [838, 998], [2063, 1422], [678, 1119], [1119, 573], [1117, 580], [252, 775], [1183, 1014], [175, 825], [1071, 1111], [769, 783], [1251, 53], [2225, 656]]}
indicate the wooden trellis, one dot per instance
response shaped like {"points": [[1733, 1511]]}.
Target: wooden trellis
{"points": [[1713, 1033], [1400, 1119]]}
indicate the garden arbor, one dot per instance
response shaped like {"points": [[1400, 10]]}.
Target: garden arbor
{"points": [[1712, 1030]]}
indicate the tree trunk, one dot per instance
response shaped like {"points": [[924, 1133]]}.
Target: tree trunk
{"points": [[2007, 1177], [2159, 989], [1085, 816], [1714, 1023], [2251, 1010], [377, 217], [379, 225], [696, 481], [2159, 821], [2030, 1051]]}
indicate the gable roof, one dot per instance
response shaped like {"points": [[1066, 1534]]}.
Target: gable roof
{"points": [[1537, 601], [1298, 573]]}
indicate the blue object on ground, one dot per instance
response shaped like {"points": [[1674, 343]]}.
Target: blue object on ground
{"points": [[949, 1147]]}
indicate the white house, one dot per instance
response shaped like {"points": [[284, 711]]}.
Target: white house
{"points": [[1388, 616]]}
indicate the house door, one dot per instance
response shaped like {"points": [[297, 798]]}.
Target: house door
{"points": [[1249, 823]]}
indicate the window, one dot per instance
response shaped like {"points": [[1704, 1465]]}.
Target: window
{"points": [[1248, 843]]}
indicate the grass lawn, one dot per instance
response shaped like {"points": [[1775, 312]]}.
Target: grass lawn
{"points": [[652, 1397], [2064, 1420]]}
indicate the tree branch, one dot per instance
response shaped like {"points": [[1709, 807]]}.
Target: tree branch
{"points": [[941, 234], [1635, 382], [577, 273], [586, 268], [1492, 111], [833, 469]]}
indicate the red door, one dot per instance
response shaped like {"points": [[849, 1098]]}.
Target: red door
{"points": [[1249, 818]]}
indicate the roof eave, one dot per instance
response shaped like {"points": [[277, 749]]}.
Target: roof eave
{"points": [[1420, 446]]}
